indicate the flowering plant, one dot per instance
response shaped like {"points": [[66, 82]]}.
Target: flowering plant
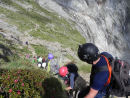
{"points": [[22, 83]]}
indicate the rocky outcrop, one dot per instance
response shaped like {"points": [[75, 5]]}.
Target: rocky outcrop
{"points": [[103, 22]]}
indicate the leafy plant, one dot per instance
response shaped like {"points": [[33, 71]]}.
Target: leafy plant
{"points": [[22, 83]]}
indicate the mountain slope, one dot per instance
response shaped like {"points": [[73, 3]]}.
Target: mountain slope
{"points": [[26, 20], [103, 22]]}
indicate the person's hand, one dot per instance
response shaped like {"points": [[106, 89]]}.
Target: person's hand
{"points": [[68, 88]]}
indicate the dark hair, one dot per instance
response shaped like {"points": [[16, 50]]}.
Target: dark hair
{"points": [[72, 67]]}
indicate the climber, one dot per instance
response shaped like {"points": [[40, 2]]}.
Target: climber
{"points": [[39, 61], [69, 73], [48, 61], [43, 59], [26, 43], [99, 81]]}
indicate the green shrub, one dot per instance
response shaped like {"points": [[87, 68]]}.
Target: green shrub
{"points": [[22, 83]]}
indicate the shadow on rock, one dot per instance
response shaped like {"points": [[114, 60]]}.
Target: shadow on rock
{"points": [[4, 53]]}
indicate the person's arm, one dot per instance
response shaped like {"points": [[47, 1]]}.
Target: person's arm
{"points": [[92, 93], [72, 75]]}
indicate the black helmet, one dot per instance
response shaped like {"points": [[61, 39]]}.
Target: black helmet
{"points": [[88, 52]]}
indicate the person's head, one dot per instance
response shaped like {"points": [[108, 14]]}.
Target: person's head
{"points": [[88, 52], [72, 67], [43, 59], [50, 56], [63, 71]]}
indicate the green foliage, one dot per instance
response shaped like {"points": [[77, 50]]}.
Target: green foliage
{"points": [[41, 50], [70, 57], [22, 22], [22, 83], [24, 50], [18, 63], [85, 68]]}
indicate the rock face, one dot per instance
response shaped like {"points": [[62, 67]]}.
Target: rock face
{"points": [[103, 22]]}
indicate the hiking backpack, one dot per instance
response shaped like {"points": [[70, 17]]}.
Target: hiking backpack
{"points": [[119, 76], [120, 81]]}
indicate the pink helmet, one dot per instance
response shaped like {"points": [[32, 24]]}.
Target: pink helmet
{"points": [[63, 71]]}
